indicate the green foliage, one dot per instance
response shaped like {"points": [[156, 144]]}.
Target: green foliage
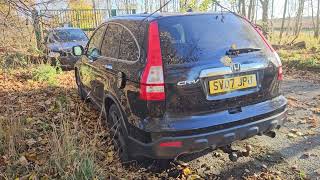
{"points": [[205, 5], [46, 73], [86, 169], [195, 5]]}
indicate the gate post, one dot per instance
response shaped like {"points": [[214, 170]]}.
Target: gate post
{"points": [[37, 28]]}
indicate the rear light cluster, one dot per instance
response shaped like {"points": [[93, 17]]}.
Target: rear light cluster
{"points": [[152, 80], [279, 64], [176, 144]]}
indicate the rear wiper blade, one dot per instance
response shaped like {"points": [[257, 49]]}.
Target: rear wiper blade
{"points": [[234, 52]]}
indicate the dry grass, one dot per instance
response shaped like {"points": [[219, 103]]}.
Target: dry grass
{"points": [[305, 59], [47, 131]]}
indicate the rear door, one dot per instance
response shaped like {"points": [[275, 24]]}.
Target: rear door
{"points": [[200, 77], [105, 78], [93, 53]]}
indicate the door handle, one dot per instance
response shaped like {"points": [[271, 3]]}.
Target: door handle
{"points": [[108, 66]]}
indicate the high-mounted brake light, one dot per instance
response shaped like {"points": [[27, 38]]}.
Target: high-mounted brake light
{"points": [[152, 81]]}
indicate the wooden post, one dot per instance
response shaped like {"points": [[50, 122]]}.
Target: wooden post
{"points": [[37, 28]]}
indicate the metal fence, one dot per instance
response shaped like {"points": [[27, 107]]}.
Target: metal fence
{"points": [[86, 19]]}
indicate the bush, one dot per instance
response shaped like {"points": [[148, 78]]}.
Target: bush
{"points": [[46, 73]]}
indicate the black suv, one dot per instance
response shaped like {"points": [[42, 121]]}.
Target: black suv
{"points": [[171, 84]]}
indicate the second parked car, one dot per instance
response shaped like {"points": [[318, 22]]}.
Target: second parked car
{"points": [[59, 43]]}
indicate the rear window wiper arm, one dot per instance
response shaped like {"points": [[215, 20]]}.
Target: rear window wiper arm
{"points": [[234, 52]]}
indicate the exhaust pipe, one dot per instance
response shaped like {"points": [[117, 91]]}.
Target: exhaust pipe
{"points": [[271, 134]]}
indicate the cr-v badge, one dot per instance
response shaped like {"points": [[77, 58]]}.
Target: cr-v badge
{"points": [[183, 83]]}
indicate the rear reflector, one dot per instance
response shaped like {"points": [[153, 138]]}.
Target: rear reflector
{"points": [[280, 73], [152, 81], [171, 144]]}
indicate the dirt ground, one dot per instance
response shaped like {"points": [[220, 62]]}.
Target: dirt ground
{"points": [[293, 154]]}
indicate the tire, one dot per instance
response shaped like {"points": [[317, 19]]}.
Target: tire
{"points": [[117, 135], [81, 92]]}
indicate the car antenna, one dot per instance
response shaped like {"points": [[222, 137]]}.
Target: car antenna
{"points": [[151, 15], [156, 10]]}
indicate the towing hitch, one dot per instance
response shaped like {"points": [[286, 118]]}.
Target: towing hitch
{"points": [[234, 155]]}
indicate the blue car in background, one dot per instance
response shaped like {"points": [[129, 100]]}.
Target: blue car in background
{"points": [[59, 43]]}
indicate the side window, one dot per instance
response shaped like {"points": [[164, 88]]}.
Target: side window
{"points": [[111, 41], [93, 50], [128, 48]]}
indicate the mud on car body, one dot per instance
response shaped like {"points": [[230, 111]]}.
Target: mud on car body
{"points": [[171, 84]]}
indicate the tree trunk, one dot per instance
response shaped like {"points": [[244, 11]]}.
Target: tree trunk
{"points": [[250, 9], [272, 14], [283, 19], [244, 8], [316, 33], [239, 6], [265, 14], [297, 26]]}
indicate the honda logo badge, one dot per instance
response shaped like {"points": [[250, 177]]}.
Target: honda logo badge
{"points": [[235, 67]]}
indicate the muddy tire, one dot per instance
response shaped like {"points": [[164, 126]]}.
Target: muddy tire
{"points": [[117, 135], [81, 92]]}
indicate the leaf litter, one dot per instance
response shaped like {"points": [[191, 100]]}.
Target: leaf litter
{"points": [[56, 135]]}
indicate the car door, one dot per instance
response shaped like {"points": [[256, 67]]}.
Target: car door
{"points": [[106, 76], [88, 73]]}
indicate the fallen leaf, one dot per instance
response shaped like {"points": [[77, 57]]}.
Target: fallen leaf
{"points": [[23, 161], [299, 133], [193, 177], [291, 135], [186, 171], [31, 142], [31, 157]]}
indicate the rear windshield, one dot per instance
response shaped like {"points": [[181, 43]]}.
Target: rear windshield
{"points": [[196, 38]]}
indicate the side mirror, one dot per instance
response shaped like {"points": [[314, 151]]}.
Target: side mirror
{"points": [[77, 50]]}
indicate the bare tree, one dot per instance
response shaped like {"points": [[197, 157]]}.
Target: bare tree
{"points": [[265, 13], [250, 9], [283, 19], [298, 22], [316, 32]]}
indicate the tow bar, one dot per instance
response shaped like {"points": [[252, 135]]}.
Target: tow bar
{"points": [[234, 155]]}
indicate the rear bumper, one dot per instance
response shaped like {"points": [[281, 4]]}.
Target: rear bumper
{"points": [[213, 139]]}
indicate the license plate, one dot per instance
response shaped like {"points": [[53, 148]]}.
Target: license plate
{"points": [[230, 84]]}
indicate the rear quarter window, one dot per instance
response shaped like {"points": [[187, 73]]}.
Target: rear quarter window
{"points": [[198, 38], [128, 47], [111, 41]]}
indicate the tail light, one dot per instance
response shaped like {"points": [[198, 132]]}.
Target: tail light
{"points": [[280, 73], [152, 80]]}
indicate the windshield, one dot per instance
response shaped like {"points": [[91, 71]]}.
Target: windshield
{"points": [[195, 38], [68, 35]]}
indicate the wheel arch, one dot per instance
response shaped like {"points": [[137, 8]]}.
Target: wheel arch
{"points": [[108, 100]]}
